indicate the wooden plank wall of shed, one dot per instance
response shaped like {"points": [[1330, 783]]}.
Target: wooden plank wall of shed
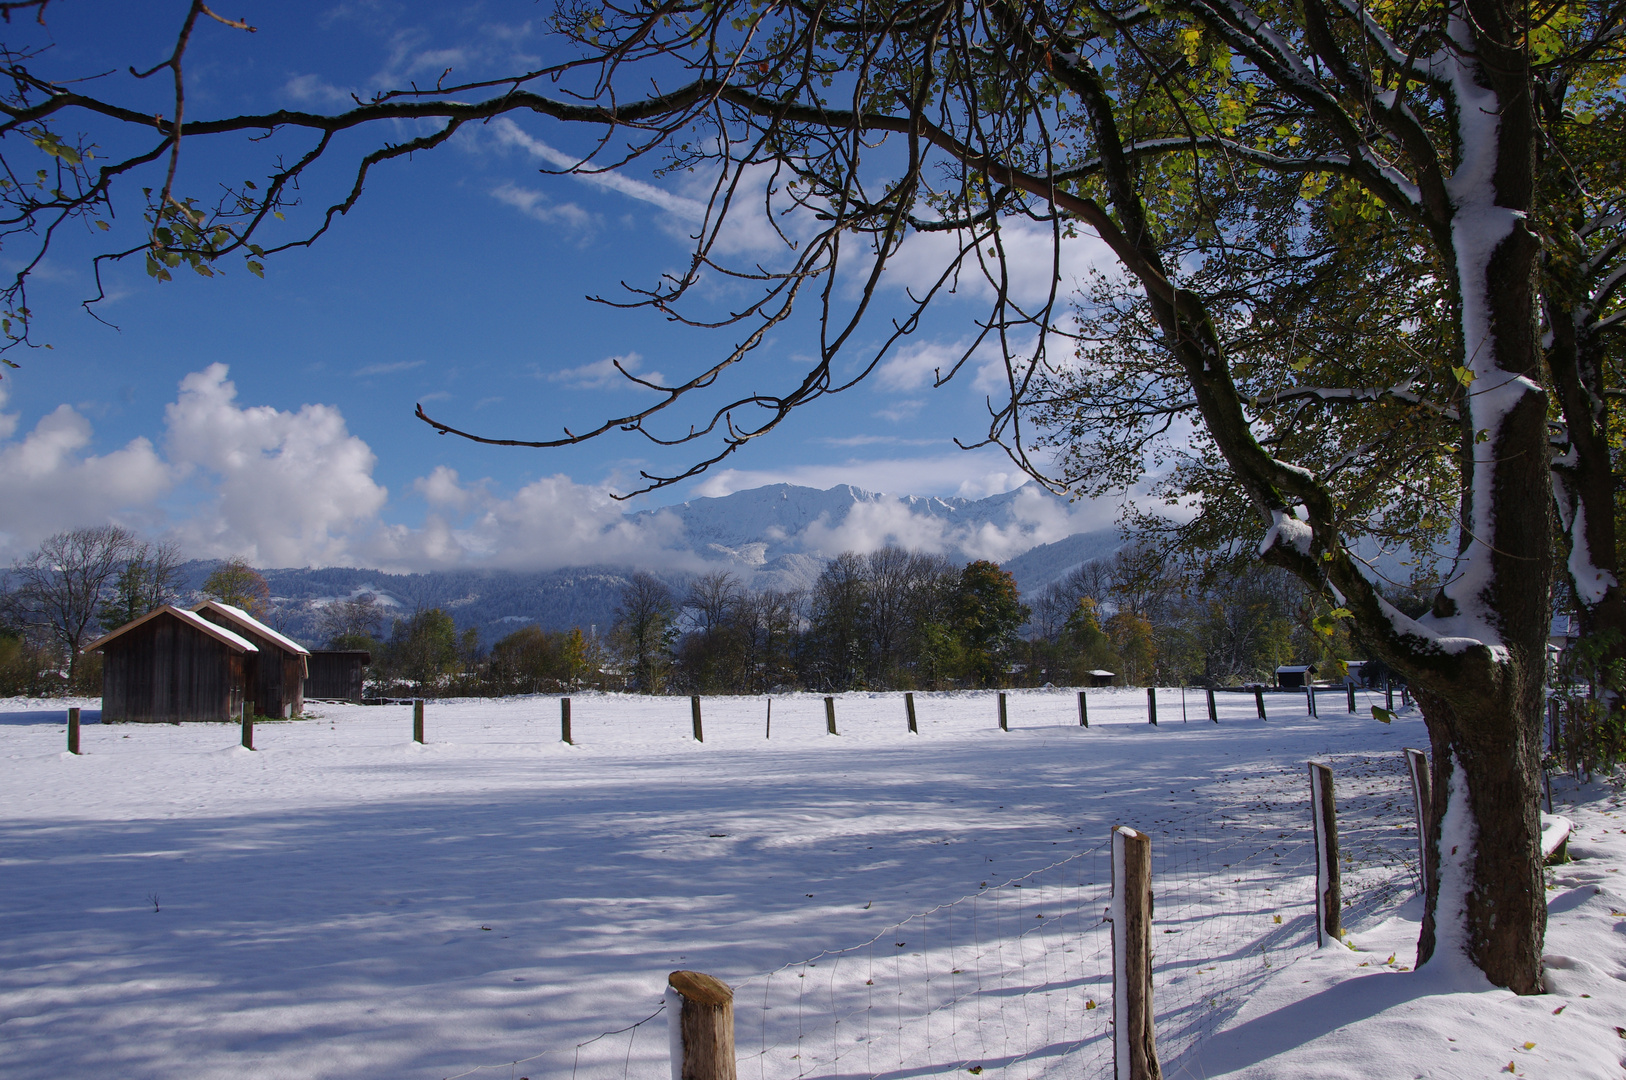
{"points": [[335, 675], [276, 678], [167, 672]]}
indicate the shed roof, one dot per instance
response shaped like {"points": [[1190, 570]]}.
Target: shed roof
{"points": [[249, 622], [1295, 669], [197, 622], [1101, 673]]}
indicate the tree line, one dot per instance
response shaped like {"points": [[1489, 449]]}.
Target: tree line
{"points": [[891, 619]]}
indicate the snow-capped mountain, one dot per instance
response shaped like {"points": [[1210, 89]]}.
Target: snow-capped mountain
{"points": [[778, 536]]}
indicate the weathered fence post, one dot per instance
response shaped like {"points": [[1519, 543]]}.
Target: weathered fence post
{"points": [[248, 727], [1405, 695], [1213, 713], [1329, 893], [1004, 717], [564, 721], [700, 1020], [909, 707], [1309, 697], [1259, 700], [694, 709], [830, 715], [417, 719], [1389, 694], [1135, 1041], [1417, 765], [1083, 711], [767, 732], [1151, 705], [73, 731], [1349, 688]]}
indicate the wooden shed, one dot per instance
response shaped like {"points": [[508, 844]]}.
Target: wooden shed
{"points": [[1295, 676], [1099, 678], [171, 666], [275, 675], [336, 675]]}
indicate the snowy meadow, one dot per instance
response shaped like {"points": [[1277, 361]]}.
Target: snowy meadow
{"points": [[342, 902]]}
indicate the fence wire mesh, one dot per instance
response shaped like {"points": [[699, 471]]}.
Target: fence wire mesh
{"points": [[1014, 982]]}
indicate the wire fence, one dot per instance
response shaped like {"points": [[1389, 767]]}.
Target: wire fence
{"points": [[1014, 981]]}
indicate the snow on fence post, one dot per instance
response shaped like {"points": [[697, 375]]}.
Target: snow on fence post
{"points": [[417, 720], [1349, 688], [1151, 705], [1329, 893], [73, 731], [564, 721], [1417, 765], [1259, 700], [1083, 711], [1213, 713], [1004, 717], [700, 1026], [248, 727], [1134, 1049], [694, 709], [909, 707], [830, 715]]}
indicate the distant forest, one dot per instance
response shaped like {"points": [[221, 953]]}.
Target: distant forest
{"points": [[889, 619]]}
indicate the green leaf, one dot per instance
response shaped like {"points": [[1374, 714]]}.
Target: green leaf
{"points": [[256, 269], [1463, 375], [1379, 713]]}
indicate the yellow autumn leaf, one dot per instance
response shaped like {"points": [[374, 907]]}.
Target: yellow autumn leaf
{"points": [[1278, 918], [1529, 1046]]}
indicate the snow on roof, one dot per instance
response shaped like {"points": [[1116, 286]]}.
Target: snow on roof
{"points": [[1103, 672], [219, 633], [243, 618], [1564, 626], [1291, 669]]}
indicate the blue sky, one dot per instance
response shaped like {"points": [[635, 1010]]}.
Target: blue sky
{"points": [[273, 418]]}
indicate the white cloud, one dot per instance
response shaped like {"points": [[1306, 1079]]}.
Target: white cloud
{"points": [[971, 474], [690, 211], [389, 369], [313, 90], [537, 206], [549, 523], [289, 488], [604, 375], [49, 483]]}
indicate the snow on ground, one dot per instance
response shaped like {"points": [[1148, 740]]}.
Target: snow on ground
{"points": [[344, 903]]}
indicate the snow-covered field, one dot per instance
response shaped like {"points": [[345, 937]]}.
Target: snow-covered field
{"points": [[344, 903]]}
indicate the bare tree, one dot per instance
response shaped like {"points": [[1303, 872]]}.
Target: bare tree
{"points": [[644, 630], [348, 622], [62, 585], [150, 579]]}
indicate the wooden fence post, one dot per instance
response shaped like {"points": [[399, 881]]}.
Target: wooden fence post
{"points": [[1417, 765], [1004, 718], [73, 731], [1259, 700], [1151, 705], [767, 732], [564, 721], [700, 1019], [1213, 713], [1134, 1039], [1389, 694], [909, 707], [694, 709], [1309, 696], [1349, 688], [248, 727], [1083, 711], [830, 715], [1329, 893], [417, 720]]}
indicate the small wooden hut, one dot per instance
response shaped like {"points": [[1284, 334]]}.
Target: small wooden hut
{"points": [[1099, 678], [171, 666], [336, 675], [275, 676], [1295, 676]]}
